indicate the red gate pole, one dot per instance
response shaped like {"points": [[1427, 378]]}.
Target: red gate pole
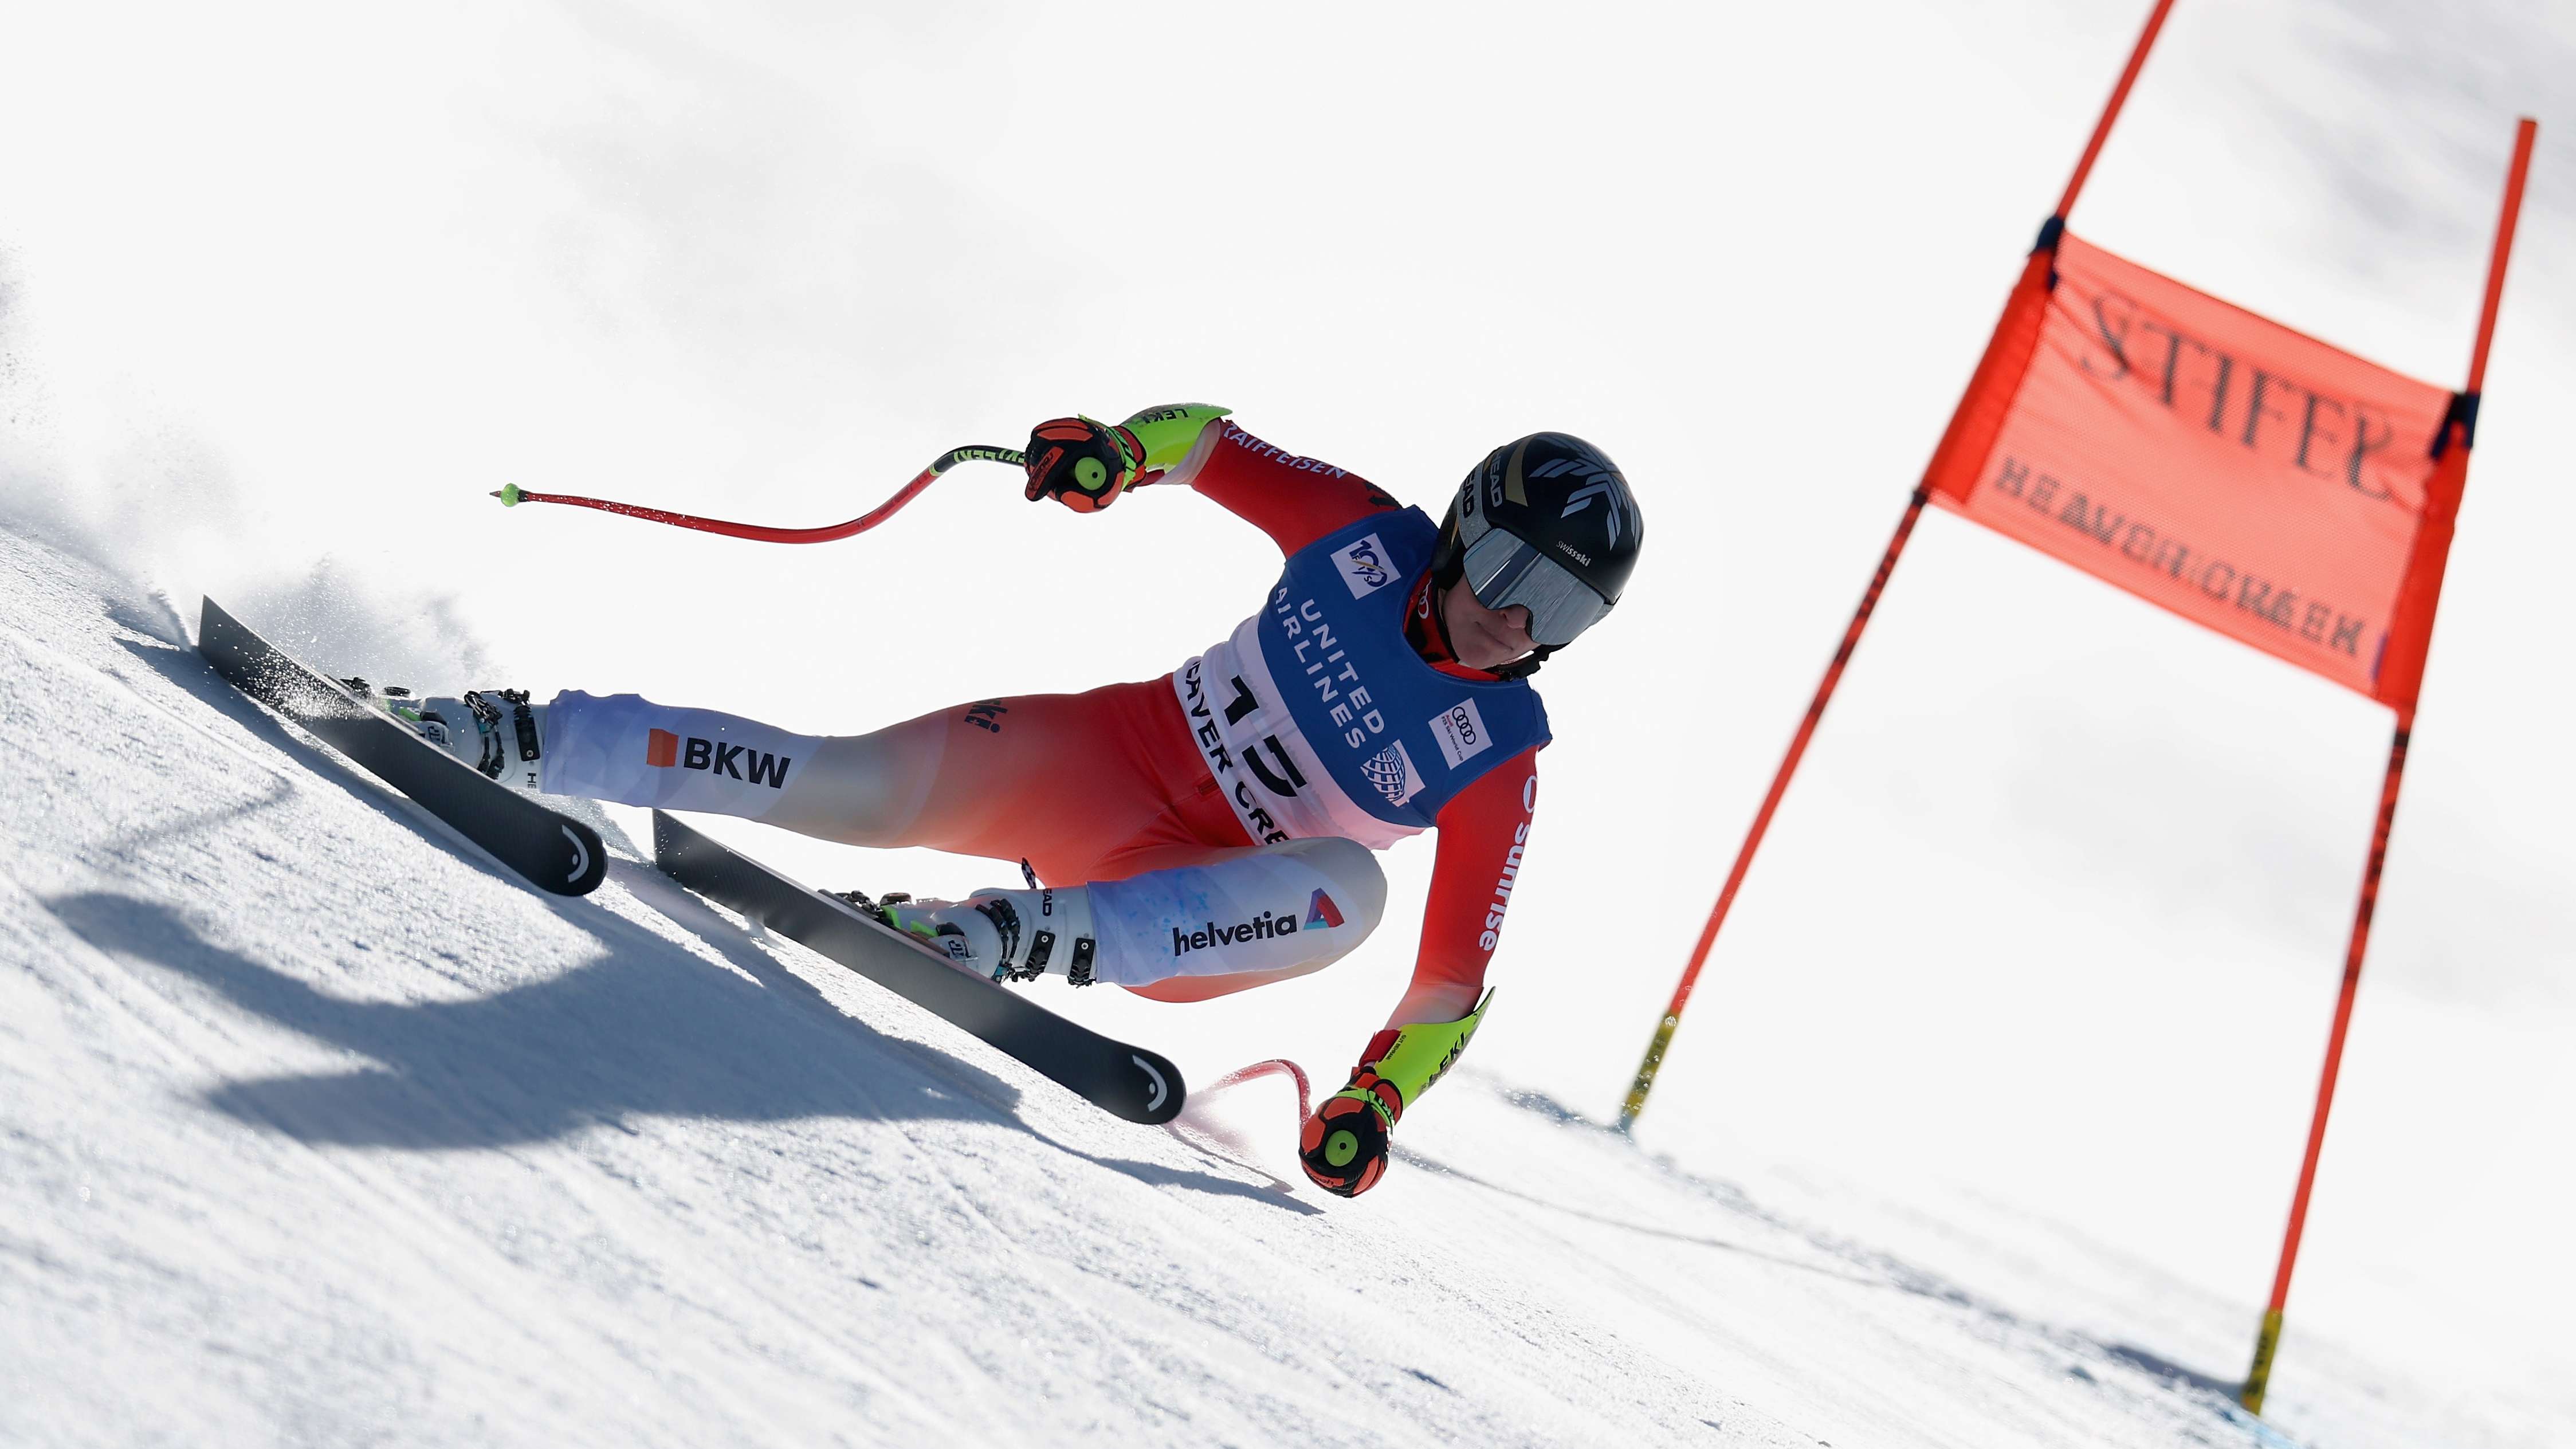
{"points": [[2459, 431], [2258, 1378], [2007, 351]]}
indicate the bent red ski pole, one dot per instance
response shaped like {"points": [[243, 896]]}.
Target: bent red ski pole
{"points": [[514, 495]]}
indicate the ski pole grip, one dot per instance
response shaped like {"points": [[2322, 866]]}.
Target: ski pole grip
{"points": [[975, 453]]}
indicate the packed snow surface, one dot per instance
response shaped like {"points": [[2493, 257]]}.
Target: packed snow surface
{"points": [[1983, 1125], [316, 1126]]}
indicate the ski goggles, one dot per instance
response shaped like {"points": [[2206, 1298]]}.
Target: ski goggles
{"points": [[1503, 570]]}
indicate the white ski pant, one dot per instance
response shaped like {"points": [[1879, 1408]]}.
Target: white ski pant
{"points": [[1102, 789]]}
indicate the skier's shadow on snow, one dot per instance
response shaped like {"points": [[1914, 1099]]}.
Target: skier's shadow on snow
{"points": [[647, 1029], [636, 1032]]}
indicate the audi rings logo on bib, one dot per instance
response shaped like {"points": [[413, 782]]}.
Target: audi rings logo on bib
{"points": [[1363, 565], [1460, 732], [1391, 771]]}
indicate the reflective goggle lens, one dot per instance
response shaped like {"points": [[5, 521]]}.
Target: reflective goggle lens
{"points": [[1504, 571]]}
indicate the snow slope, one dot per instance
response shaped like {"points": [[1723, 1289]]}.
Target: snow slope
{"points": [[315, 1127], [2022, 1006]]}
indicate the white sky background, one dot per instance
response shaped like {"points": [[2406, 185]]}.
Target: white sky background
{"points": [[2058, 906]]}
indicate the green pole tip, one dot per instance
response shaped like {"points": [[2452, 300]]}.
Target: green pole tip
{"points": [[509, 495]]}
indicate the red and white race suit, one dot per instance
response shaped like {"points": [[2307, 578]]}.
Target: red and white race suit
{"points": [[1142, 820]]}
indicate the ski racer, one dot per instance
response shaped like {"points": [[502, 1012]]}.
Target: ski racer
{"points": [[1217, 832]]}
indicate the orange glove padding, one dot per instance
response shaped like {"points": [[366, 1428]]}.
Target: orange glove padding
{"points": [[1082, 464]]}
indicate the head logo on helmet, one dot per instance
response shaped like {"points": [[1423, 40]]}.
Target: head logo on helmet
{"points": [[1600, 483], [1603, 492]]}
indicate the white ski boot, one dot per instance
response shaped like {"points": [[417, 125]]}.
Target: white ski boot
{"points": [[497, 731], [997, 934]]}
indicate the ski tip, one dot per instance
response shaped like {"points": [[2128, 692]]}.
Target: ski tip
{"points": [[1165, 1092], [509, 495]]}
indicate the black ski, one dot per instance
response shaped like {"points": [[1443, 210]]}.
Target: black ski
{"points": [[1128, 1081], [554, 853]]}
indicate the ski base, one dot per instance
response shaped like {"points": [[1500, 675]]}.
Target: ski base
{"points": [[554, 853], [1124, 1080]]}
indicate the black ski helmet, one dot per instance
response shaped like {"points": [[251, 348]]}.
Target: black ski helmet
{"points": [[1548, 522]]}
